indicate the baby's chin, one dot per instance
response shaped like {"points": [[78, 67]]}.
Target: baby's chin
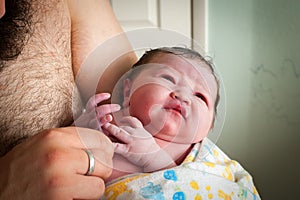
{"points": [[164, 141]]}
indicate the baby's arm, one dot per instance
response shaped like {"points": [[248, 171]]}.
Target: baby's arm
{"points": [[95, 116], [138, 145]]}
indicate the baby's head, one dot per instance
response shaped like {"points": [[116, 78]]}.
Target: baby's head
{"points": [[174, 93]]}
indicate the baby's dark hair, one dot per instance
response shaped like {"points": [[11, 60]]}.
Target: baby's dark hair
{"points": [[180, 51]]}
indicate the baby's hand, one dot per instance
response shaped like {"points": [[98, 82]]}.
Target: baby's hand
{"points": [[138, 145], [96, 116]]}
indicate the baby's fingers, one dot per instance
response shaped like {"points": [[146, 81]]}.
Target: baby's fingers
{"points": [[131, 121], [105, 119], [121, 149], [94, 100], [94, 124], [106, 109], [117, 132]]}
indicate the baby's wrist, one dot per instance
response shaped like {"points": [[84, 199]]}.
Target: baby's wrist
{"points": [[158, 161]]}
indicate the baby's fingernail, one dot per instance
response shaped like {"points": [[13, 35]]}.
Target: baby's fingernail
{"points": [[116, 106], [108, 118], [106, 95]]}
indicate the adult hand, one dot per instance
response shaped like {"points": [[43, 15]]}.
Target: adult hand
{"points": [[53, 164], [95, 116], [137, 145]]}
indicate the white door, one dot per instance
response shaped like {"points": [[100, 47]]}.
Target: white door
{"points": [[187, 17], [166, 14]]}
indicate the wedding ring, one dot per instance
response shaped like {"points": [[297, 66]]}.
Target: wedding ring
{"points": [[91, 162]]}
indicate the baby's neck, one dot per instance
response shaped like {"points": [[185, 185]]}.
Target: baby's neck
{"points": [[176, 150]]}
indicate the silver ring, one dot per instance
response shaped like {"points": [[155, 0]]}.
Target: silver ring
{"points": [[91, 162]]}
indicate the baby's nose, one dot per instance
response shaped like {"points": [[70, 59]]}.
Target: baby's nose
{"points": [[181, 96]]}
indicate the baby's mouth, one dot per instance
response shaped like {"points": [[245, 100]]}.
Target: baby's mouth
{"points": [[176, 108]]}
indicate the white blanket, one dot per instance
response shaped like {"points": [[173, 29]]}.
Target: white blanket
{"points": [[206, 173]]}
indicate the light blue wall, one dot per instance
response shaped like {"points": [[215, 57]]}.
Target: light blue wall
{"points": [[256, 47]]}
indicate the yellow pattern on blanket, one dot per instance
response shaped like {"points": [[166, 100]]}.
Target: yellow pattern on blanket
{"points": [[206, 173]]}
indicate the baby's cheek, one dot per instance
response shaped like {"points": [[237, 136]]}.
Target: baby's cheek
{"points": [[142, 113], [199, 125], [199, 137]]}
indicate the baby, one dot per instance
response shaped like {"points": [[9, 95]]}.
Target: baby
{"points": [[169, 102]]}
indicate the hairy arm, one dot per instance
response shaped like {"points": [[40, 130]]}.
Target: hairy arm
{"points": [[94, 24]]}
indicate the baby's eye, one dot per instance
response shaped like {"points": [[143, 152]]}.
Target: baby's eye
{"points": [[168, 78], [201, 96]]}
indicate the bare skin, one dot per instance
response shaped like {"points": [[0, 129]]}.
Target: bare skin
{"points": [[36, 96], [2, 7], [39, 83], [52, 164]]}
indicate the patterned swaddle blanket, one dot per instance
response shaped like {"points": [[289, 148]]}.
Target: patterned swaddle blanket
{"points": [[206, 173]]}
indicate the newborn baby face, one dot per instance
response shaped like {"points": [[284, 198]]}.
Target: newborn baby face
{"points": [[174, 98]]}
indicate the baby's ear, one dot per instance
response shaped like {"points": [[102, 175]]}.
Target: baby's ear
{"points": [[126, 92], [212, 124]]}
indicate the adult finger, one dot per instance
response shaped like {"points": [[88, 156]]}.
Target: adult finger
{"points": [[67, 176], [93, 139], [74, 186], [43, 165], [101, 148], [77, 161], [88, 187], [97, 161]]}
